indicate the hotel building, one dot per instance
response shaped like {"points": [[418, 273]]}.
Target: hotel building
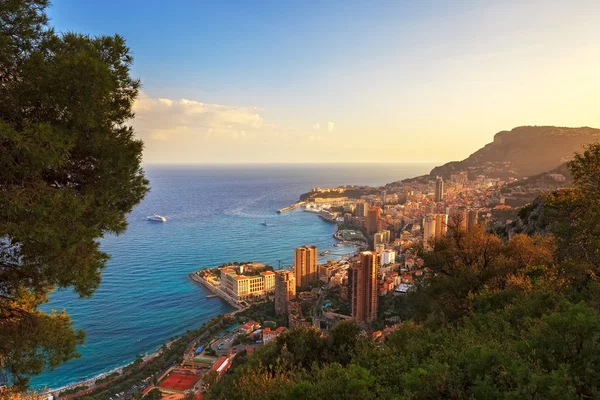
{"points": [[242, 287]]}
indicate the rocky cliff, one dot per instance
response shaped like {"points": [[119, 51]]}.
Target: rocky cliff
{"points": [[523, 151]]}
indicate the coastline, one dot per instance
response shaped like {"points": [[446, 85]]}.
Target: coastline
{"points": [[148, 357], [89, 380], [199, 280], [93, 379]]}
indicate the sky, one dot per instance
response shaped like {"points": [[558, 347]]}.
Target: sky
{"points": [[347, 81]]}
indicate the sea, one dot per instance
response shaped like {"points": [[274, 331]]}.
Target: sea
{"points": [[215, 214]]}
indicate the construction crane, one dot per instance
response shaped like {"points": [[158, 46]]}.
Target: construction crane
{"points": [[189, 358]]}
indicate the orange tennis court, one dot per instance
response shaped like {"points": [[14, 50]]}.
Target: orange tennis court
{"points": [[178, 381]]}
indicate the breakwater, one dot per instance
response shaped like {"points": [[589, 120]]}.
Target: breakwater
{"points": [[215, 290], [289, 208]]}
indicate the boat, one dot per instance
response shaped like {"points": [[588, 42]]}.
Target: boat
{"points": [[265, 223], [325, 252], [210, 296], [156, 218], [138, 340]]}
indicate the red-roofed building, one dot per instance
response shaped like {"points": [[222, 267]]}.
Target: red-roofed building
{"points": [[249, 327], [269, 335], [389, 284], [222, 365], [269, 277]]}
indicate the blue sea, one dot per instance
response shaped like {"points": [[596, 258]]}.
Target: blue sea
{"points": [[214, 215]]}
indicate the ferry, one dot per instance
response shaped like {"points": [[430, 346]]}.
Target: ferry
{"points": [[156, 218]]}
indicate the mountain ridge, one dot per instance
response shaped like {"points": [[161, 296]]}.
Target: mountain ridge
{"points": [[522, 151]]}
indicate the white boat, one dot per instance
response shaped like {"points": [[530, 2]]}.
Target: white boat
{"points": [[157, 218], [265, 223]]}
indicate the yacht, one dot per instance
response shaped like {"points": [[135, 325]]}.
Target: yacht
{"points": [[265, 223], [157, 218]]}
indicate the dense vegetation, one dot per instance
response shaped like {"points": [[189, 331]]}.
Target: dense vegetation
{"points": [[69, 172], [495, 319]]}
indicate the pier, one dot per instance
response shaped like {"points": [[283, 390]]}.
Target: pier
{"points": [[289, 208]]}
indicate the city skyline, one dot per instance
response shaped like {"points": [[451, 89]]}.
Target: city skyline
{"points": [[304, 82]]}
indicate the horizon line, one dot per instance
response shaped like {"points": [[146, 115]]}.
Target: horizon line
{"points": [[286, 163]]}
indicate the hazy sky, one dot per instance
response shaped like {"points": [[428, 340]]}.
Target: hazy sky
{"points": [[346, 81]]}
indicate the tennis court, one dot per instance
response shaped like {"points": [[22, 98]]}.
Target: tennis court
{"points": [[178, 381]]}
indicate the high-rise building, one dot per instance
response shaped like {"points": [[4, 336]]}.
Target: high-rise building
{"points": [[379, 248], [305, 265], [458, 218], [441, 225], [439, 189], [384, 236], [388, 257], [435, 227], [378, 238], [285, 290], [429, 231], [361, 209], [387, 236], [383, 196], [473, 219], [373, 220], [363, 287]]}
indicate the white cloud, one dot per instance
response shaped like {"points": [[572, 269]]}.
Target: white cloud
{"points": [[330, 126], [189, 131], [164, 119]]}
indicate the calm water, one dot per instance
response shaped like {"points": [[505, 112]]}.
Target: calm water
{"points": [[215, 215]]}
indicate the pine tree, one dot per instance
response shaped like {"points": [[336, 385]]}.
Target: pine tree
{"points": [[70, 170]]}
